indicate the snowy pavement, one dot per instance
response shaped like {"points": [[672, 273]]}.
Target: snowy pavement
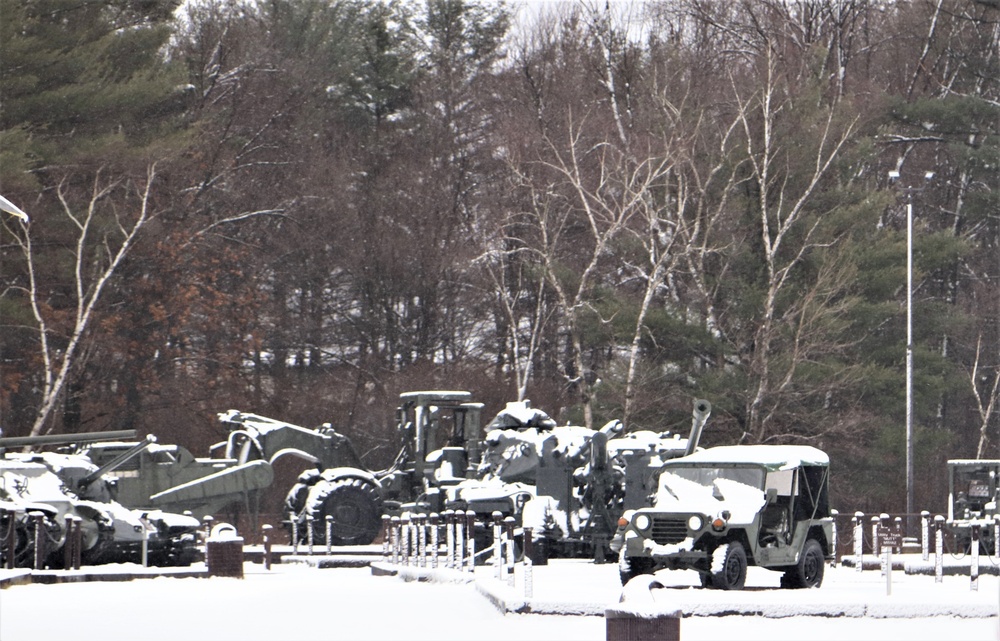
{"points": [[297, 602]]}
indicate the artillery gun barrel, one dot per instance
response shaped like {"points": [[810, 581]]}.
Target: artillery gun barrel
{"points": [[699, 416], [119, 460], [66, 439]]}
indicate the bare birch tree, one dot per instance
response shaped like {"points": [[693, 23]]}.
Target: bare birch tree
{"points": [[105, 234]]}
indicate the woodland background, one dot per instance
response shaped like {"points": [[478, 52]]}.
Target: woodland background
{"points": [[302, 208]]}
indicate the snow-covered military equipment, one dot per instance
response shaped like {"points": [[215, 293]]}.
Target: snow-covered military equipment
{"points": [[440, 434], [724, 508], [49, 490], [168, 477], [568, 484], [973, 485]]}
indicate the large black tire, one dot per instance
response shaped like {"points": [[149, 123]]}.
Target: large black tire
{"points": [[808, 572], [729, 566], [630, 567], [356, 508]]}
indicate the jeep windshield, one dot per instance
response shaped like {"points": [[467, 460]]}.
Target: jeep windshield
{"points": [[710, 489]]}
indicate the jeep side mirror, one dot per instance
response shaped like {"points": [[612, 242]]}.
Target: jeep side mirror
{"points": [[772, 495]]}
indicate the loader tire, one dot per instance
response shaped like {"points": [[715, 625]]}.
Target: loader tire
{"points": [[356, 508]]}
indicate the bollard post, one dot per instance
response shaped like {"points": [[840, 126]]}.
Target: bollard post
{"points": [[267, 546], [77, 542], [310, 529], [859, 540], [925, 549], [394, 521], [404, 535], [422, 539], [145, 541], [11, 535], [470, 539], [875, 548], [38, 518], [529, 587], [208, 532], [386, 547], [974, 566], [834, 514], [414, 538], [449, 534], [329, 534], [498, 544], [509, 565], [68, 544], [435, 548], [295, 532], [460, 539], [938, 548], [996, 535]]}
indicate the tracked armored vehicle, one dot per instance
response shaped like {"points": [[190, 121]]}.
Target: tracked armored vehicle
{"points": [[62, 487]]}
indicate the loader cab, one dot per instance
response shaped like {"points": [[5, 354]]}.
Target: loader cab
{"points": [[441, 430]]}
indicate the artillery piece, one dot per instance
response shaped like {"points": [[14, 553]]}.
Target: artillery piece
{"points": [[569, 484], [60, 488]]}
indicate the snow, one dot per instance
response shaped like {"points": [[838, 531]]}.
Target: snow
{"points": [[298, 602], [772, 456]]}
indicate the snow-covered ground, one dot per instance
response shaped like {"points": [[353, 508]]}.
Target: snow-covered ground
{"points": [[298, 602]]}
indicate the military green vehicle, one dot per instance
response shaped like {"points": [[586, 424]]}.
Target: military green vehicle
{"points": [[973, 486], [61, 487], [440, 447], [722, 509], [569, 484]]}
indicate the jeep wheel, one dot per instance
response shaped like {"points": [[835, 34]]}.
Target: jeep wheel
{"points": [[808, 573], [631, 567], [729, 566]]}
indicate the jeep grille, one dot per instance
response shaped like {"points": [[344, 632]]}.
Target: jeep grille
{"points": [[669, 529]]}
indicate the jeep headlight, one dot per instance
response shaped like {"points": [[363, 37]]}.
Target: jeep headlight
{"points": [[642, 522], [695, 523]]}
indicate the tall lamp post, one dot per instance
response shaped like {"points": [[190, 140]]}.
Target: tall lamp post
{"points": [[910, 495]]}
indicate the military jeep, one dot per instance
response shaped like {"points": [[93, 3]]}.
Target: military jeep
{"points": [[722, 509]]}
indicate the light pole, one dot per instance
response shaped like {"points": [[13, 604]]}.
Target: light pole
{"points": [[910, 495]]}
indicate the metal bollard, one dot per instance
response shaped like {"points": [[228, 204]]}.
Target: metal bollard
{"points": [[498, 544], [310, 525], [834, 514], [208, 532], [859, 540], [996, 535], [68, 544], [449, 533], [11, 535], [470, 539], [38, 519], [77, 542], [386, 547], [329, 534], [529, 580], [509, 535], [434, 547], [974, 567], [460, 539], [925, 548], [267, 546], [295, 532], [938, 548], [422, 539], [875, 546], [395, 523], [145, 541], [404, 535]]}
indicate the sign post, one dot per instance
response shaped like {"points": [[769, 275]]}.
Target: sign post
{"points": [[889, 538]]}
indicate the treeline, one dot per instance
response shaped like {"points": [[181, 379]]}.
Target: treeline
{"points": [[303, 208]]}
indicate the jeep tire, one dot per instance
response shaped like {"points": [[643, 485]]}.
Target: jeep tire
{"points": [[729, 566], [808, 572]]}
